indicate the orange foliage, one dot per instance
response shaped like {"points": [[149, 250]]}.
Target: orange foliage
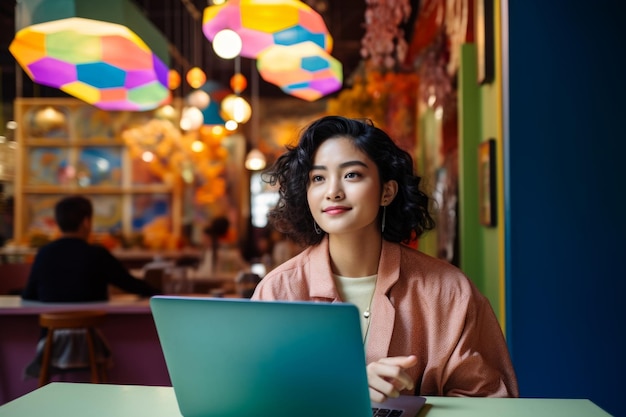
{"points": [[389, 99], [174, 157]]}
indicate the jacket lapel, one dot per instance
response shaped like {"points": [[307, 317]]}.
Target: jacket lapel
{"points": [[383, 312], [323, 288], [320, 275]]}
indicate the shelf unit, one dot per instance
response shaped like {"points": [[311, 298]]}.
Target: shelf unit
{"points": [[67, 147]]}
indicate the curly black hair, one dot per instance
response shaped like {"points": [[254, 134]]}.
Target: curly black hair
{"points": [[407, 216]]}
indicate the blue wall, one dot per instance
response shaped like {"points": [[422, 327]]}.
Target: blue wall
{"points": [[565, 177]]}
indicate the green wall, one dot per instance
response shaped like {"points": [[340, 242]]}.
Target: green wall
{"points": [[478, 121]]}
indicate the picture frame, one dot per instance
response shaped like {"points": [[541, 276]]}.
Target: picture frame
{"points": [[484, 38], [487, 183]]}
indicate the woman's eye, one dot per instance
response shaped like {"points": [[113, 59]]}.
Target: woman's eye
{"points": [[316, 178], [351, 175]]}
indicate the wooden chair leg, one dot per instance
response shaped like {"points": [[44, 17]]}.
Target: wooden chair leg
{"points": [[103, 371], [93, 360], [87, 320], [44, 373]]}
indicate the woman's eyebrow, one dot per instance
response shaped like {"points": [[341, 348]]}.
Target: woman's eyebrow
{"points": [[351, 163], [342, 165]]}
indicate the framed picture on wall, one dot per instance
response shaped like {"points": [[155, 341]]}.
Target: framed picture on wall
{"points": [[483, 35], [487, 182]]}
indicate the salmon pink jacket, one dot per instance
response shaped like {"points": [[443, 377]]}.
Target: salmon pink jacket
{"points": [[422, 306]]}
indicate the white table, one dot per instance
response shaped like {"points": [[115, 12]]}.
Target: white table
{"points": [[93, 400]]}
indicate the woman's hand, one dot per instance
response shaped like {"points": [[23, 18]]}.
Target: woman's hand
{"points": [[386, 377]]}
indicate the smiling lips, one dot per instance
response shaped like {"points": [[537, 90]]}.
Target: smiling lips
{"points": [[336, 209]]}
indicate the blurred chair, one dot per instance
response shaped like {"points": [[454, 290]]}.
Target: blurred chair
{"points": [[170, 280], [155, 277], [190, 261], [13, 277], [246, 284], [87, 320], [176, 281]]}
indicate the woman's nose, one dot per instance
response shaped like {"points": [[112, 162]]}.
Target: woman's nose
{"points": [[334, 193]]}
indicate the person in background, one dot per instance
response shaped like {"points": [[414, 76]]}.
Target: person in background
{"points": [[70, 269], [351, 194], [265, 247], [283, 248], [218, 259]]}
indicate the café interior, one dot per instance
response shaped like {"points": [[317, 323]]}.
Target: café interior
{"points": [[165, 160], [220, 89]]}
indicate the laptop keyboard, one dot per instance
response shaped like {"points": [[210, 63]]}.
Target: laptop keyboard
{"points": [[386, 412]]}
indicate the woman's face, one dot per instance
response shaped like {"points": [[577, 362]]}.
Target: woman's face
{"points": [[344, 191]]}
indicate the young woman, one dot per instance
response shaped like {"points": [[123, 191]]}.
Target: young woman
{"points": [[351, 194]]}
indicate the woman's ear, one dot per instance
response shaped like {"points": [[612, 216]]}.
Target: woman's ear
{"points": [[390, 189]]}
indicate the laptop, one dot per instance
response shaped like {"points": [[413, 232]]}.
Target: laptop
{"points": [[238, 358]]}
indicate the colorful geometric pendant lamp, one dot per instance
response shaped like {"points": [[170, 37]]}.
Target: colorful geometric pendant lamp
{"points": [[303, 70], [288, 38], [263, 23], [105, 53]]}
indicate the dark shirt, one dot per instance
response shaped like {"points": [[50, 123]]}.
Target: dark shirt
{"points": [[73, 270]]}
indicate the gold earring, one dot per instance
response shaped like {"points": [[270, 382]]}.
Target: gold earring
{"points": [[384, 218]]}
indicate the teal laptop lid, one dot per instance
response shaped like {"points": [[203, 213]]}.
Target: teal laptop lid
{"points": [[237, 358]]}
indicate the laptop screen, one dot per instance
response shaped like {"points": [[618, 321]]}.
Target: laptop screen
{"points": [[235, 357]]}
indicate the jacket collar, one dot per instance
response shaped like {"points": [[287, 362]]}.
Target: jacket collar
{"points": [[321, 275], [323, 288]]}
